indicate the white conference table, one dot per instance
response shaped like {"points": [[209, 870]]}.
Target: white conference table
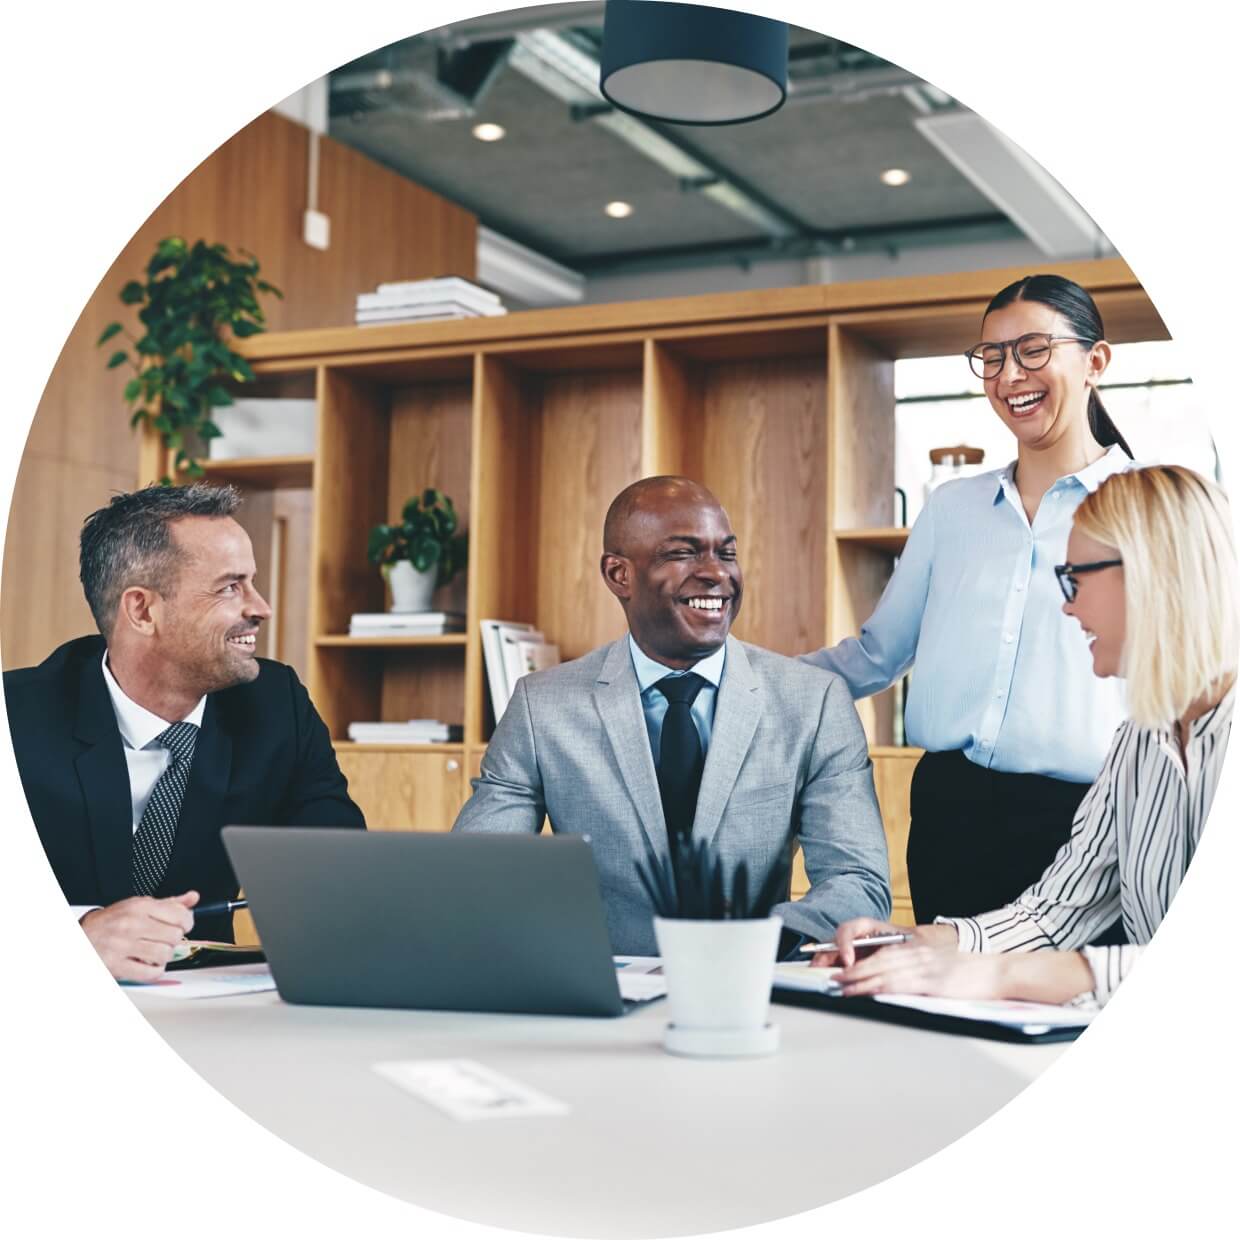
{"points": [[654, 1145]]}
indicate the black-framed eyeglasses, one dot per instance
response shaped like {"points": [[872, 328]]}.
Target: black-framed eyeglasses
{"points": [[1067, 574], [1032, 351]]}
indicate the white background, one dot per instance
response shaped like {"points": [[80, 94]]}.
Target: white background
{"points": [[107, 107]]}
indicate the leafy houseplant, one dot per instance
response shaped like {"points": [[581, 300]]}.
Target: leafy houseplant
{"points": [[193, 301], [426, 538]]}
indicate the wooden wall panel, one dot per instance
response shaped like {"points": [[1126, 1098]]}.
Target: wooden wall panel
{"points": [[591, 450], [249, 194]]}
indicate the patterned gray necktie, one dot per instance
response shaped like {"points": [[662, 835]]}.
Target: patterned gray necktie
{"points": [[152, 842]]}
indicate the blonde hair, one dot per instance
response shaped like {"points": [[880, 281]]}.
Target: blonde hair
{"points": [[1173, 531]]}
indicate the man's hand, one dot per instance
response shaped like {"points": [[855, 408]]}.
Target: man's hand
{"points": [[848, 932], [135, 937]]}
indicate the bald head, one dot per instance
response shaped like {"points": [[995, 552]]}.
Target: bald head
{"points": [[649, 500], [669, 557]]}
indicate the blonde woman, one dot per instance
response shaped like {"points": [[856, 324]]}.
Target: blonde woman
{"points": [[1152, 580]]}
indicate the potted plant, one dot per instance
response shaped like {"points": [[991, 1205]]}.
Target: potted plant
{"points": [[718, 948], [422, 552], [194, 300]]}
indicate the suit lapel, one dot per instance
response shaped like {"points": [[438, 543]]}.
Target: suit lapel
{"points": [[202, 811], [104, 779], [619, 706], [737, 711]]}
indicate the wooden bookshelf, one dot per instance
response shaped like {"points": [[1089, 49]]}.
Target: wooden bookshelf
{"points": [[271, 472], [781, 401]]}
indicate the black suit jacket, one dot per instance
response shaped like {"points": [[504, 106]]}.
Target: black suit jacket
{"points": [[263, 757]]}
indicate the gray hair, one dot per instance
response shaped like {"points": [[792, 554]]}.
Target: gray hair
{"points": [[128, 543]]}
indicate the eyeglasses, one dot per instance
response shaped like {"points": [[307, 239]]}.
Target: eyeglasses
{"points": [[1068, 573], [1032, 351]]}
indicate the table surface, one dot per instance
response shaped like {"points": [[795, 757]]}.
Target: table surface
{"points": [[653, 1145]]}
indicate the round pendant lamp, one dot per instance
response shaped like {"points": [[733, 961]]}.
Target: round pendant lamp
{"points": [[692, 65]]}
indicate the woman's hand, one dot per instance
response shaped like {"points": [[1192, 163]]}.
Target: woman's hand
{"points": [[848, 932], [922, 969]]}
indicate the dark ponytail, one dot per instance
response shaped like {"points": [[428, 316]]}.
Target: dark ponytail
{"points": [[1078, 309]]}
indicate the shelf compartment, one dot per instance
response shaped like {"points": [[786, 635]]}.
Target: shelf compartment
{"points": [[890, 540], [455, 748], [272, 473], [344, 642]]}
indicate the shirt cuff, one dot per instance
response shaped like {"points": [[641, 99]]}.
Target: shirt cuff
{"points": [[1109, 965], [80, 910], [969, 934]]}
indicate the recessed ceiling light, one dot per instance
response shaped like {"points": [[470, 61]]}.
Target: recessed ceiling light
{"points": [[619, 210], [488, 132], [895, 176]]}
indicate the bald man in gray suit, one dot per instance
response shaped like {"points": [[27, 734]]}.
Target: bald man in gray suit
{"points": [[781, 753]]}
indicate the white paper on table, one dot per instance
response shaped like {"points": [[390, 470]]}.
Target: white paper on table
{"points": [[799, 975], [214, 985], [641, 978], [468, 1090], [1013, 1012]]}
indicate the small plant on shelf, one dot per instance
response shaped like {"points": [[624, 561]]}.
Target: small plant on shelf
{"points": [[426, 540], [194, 301]]}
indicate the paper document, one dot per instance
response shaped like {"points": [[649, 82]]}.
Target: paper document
{"points": [[1030, 1017], [641, 978], [797, 975], [207, 985], [465, 1089]]}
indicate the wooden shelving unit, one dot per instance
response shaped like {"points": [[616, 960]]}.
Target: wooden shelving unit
{"points": [[781, 401], [274, 473]]}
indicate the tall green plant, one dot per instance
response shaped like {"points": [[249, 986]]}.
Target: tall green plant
{"points": [[194, 300]]}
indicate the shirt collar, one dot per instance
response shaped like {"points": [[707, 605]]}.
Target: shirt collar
{"points": [[1113, 461], [138, 727], [1217, 717], [649, 672]]}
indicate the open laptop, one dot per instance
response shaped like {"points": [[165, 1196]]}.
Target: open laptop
{"points": [[483, 923]]}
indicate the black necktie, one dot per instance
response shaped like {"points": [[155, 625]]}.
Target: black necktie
{"points": [[152, 842], [680, 756]]}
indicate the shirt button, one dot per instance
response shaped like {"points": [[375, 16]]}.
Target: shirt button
{"points": [[1007, 637]]}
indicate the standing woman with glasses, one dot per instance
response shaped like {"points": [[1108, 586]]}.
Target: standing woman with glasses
{"points": [[1002, 698]]}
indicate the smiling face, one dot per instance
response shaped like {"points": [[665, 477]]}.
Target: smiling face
{"points": [[1041, 406], [207, 626], [674, 569], [1099, 605]]}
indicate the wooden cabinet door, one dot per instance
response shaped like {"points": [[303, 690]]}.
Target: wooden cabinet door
{"points": [[403, 791]]}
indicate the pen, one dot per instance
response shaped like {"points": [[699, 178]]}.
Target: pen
{"points": [[222, 906], [874, 940]]}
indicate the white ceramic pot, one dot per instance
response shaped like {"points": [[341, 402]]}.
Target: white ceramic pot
{"points": [[719, 976], [411, 590]]}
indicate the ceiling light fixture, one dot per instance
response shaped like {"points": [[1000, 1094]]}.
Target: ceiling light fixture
{"points": [[619, 210], [489, 132], [692, 65], [895, 176]]}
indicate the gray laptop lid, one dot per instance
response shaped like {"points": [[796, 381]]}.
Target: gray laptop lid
{"points": [[484, 923]]}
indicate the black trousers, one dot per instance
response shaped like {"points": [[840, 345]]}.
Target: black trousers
{"points": [[978, 838]]}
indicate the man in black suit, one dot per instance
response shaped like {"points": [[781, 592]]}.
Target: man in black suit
{"points": [[137, 746]]}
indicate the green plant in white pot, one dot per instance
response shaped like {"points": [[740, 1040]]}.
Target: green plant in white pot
{"points": [[420, 553], [718, 947]]}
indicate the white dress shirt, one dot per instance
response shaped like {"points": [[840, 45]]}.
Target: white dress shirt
{"points": [[973, 607], [145, 758]]}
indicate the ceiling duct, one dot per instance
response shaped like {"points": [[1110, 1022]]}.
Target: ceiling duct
{"points": [[1017, 184]]}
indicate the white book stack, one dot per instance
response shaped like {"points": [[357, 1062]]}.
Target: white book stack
{"points": [[512, 650], [405, 623], [412, 301], [409, 732]]}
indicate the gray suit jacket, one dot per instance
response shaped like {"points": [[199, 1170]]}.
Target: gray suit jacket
{"points": [[787, 761]]}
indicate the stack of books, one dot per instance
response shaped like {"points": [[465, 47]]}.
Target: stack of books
{"points": [[405, 623], [412, 301], [410, 732], [512, 650]]}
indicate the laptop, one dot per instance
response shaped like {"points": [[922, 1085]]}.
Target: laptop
{"points": [[394, 919]]}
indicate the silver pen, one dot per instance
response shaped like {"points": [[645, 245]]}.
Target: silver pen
{"points": [[874, 940]]}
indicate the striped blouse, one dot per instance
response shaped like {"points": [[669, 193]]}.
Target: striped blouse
{"points": [[1132, 839]]}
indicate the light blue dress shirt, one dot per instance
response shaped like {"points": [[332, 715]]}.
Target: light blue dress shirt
{"points": [[1001, 673], [654, 704]]}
